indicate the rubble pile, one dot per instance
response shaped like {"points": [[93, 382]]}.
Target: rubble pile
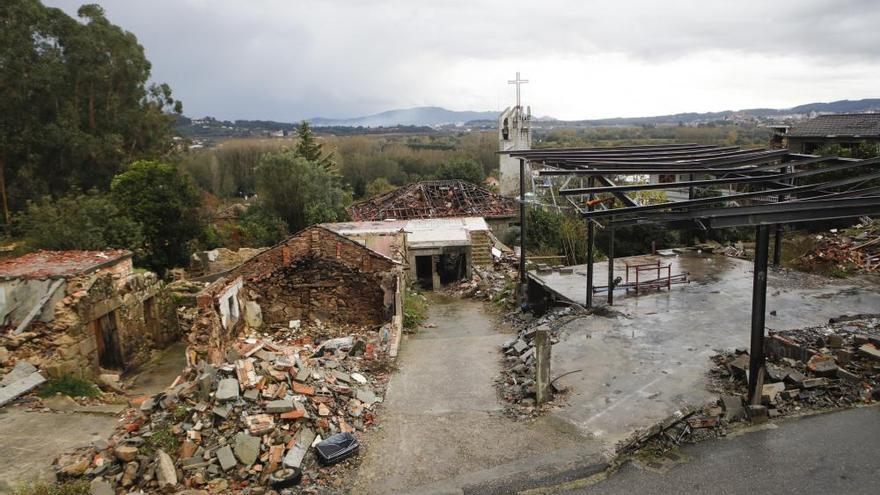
{"points": [[256, 421], [516, 385], [494, 283], [835, 365], [818, 368], [852, 250]]}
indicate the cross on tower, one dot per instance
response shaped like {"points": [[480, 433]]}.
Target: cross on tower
{"points": [[518, 82]]}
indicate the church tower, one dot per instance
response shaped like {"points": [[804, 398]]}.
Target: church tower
{"points": [[514, 134]]}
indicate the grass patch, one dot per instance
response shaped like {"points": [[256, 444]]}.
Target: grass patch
{"points": [[415, 309], [69, 385], [161, 438], [76, 487]]}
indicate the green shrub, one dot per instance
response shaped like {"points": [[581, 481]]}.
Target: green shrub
{"points": [[415, 309], [69, 385]]}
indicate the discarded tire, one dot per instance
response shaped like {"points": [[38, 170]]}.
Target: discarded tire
{"points": [[285, 478]]}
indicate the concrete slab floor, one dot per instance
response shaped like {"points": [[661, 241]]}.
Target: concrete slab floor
{"points": [[30, 441], [638, 368], [160, 372], [442, 422]]}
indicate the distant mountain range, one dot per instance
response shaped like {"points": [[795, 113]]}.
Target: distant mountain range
{"points": [[434, 116], [421, 120], [408, 116]]}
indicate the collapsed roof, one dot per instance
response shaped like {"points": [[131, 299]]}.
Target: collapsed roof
{"points": [[434, 199], [59, 264]]}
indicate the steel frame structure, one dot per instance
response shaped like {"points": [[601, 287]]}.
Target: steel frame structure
{"points": [[766, 173]]}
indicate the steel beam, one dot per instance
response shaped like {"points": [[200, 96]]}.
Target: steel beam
{"points": [[759, 309]]}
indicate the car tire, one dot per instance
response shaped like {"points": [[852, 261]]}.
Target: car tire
{"points": [[285, 478]]}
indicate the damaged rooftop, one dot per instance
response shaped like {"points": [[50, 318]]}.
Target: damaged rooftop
{"points": [[59, 264]]}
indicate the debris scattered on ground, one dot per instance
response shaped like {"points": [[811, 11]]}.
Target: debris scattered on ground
{"points": [[252, 422], [848, 251], [516, 385], [494, 283], [810, 369]]}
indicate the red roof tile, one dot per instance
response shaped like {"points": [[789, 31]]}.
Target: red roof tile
{"points": [[55, 264]]}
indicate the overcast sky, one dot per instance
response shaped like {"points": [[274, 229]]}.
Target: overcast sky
{"points": [[292, 59]]}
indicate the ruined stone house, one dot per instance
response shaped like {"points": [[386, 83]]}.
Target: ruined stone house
{"points": [[436, 252], [315, 275], [80, 312]]}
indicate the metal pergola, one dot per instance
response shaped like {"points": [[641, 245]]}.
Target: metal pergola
{"points": [[771, 188]]}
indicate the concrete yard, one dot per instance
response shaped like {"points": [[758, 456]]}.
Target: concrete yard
{"points": [[639, 367]]}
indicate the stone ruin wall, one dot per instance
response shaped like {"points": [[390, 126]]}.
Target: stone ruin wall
{"points": [[68, 344]]}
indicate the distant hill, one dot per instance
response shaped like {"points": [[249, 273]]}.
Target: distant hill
{"points": [[800, 111], [409, 116]]}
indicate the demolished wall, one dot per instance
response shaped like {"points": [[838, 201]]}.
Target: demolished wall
{"points": [[68, 344], [316, 275]]}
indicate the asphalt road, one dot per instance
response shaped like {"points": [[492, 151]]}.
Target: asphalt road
{"points": [[824, 454]]}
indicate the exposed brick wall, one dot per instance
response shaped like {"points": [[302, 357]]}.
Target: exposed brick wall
{"points": [[316, 274]]}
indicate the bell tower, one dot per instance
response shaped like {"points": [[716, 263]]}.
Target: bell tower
{"points": [[514, 134]]}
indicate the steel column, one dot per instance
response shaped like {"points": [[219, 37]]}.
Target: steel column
{"points": [[759, 308], [611, 266], [777, 245], [523, 284], [591, 232]]}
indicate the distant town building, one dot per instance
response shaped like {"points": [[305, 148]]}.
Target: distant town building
{"points": [[846, 130], [514, 134]]}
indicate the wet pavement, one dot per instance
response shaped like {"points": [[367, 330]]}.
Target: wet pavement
{"points": [[29, 441], [639, 368], [828, 453], [442, 424]]}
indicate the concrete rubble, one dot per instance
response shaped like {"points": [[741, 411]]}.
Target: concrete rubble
{"points": [[810, 369], [228, 427], [494, 283], [852, 250], [516, 385]]}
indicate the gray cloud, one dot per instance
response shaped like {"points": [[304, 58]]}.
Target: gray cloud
{"points": [[284, 60]]}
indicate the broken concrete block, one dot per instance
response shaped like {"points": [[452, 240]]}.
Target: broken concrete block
{"points": [[227, 389], [226, 458], [770, 391], [519, 347], [822, 366], [125, 453], [246, 448], [860, 339], [847, 376], [870, 351], [166, 473], [814, 382], [795, 378], [733, 407], [843, 356], [295, 455], [359, 378], [279, 406], [366, 396]]}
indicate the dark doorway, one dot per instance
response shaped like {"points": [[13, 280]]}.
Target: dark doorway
{"points": [[424, 273], [453, 267], [107, 335]]}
